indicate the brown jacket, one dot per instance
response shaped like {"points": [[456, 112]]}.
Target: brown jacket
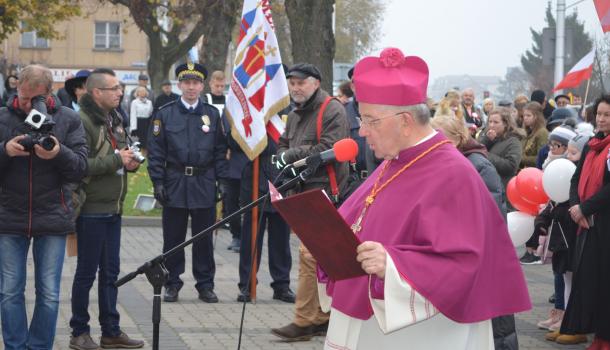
{"points": [[531, 145], [299, 139]]}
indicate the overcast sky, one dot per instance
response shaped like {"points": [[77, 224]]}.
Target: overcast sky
{"points": [[475, 37]]}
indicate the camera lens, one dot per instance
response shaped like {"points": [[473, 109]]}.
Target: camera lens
{"points": [[36, 118], [47, 143]]}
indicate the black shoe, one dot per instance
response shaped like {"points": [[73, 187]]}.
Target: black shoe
{"points": [[171, 295], [207, 295], [552, 299], [234, 245], [285, 295], [530, 259], [292, 332], [244, 296], [321, 329]]}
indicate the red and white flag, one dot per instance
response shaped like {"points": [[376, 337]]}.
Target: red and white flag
{"points": [[579, 73], [258, 86], [603, 12]]}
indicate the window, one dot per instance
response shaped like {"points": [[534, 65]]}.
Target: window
{"points": [[107, 35], [29, 39]]}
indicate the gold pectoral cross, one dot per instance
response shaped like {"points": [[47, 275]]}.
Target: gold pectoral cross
{"points": [[357, 226]]}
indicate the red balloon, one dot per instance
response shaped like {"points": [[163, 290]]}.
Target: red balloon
{"points": [[529, 185], [517, 201]]}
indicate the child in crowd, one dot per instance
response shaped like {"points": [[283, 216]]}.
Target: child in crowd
{"points": [[562, 237], [558, 148]]}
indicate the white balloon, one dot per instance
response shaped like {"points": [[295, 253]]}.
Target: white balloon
{"points": [[520, 227], [556, 179]]}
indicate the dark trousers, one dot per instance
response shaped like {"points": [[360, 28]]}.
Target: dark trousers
{"points": [[99, 242], [175, 222], [231, 205], [278, 242]]}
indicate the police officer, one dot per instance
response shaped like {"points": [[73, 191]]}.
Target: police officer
{"points": [[187, 150]]}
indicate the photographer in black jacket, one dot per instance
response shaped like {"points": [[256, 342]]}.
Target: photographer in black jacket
{"points": [[35, 207]]}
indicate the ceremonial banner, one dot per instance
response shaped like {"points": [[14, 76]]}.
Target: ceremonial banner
{"points": [[579, 73], [603, 12], [258, 86]]}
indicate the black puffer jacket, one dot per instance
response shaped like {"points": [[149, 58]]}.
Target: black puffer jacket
{"points": [[33, 196]]}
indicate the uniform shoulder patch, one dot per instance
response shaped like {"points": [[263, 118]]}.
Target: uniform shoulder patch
{"points": [[156, 127]]}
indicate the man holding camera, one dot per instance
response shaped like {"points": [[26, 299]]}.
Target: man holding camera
{"points": [[98, 226], [187, 155], [42, 149]]}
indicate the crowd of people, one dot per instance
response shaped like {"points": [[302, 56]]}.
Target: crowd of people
{"points": [[403, 137]]}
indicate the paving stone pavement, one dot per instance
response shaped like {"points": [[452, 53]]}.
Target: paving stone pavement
{"points": [[192, 324]]}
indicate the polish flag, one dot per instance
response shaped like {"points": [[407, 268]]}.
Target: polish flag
{"points": [[603, 12], [579, 73]]}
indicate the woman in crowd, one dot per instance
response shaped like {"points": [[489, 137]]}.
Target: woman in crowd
{"points": [[141, 110], [488, 106], [450, 105], [589, 305], [519, 103], [537, 134], [10, 88], [344, 92], [503, 141]]}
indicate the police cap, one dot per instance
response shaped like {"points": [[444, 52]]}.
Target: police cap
{"points": [[191, 71]]}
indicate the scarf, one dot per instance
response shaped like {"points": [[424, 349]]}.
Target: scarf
{"points": [[592, 174]]}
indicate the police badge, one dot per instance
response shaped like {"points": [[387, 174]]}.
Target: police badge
{"points": [[156, 127], [206, 123]]}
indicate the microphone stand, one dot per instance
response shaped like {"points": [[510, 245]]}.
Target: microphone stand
{"points": [[155, 270]]}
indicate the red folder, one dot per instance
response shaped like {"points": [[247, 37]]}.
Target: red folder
{"points": [[316, 221]]}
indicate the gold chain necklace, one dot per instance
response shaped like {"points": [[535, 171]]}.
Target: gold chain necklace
{"points": [[357, 226]]}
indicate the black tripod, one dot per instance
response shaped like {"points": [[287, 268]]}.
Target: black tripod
{"points": [[157, 274]]}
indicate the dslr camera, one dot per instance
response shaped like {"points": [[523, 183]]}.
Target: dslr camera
{"points": [[39, 126], [137, 153]]}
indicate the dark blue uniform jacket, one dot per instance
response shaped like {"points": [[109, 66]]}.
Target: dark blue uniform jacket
{"points": [[178, 139]]}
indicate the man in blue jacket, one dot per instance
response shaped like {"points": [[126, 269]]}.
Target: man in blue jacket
{"points": [[187, 155]]}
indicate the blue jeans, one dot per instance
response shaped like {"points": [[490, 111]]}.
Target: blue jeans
{"points": [[560, 286], [99, 242], [48, 254]]}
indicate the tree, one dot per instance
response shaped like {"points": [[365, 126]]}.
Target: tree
{"points": [[541, 76], [514, 83], [282, 30], [312, 35], [217, 34], [174, 27], [357, 28], [40, 16]]}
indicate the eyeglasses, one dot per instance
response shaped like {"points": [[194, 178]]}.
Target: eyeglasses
{"points": [[371, 122], [114, 88], [556, 145]]}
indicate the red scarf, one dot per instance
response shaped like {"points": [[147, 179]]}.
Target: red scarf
{"points": [[592, 175]]}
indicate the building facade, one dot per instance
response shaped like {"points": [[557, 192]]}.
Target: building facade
{"points": [[103, 36]]}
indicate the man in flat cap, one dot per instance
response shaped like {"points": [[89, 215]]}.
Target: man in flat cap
{"points": [[166, 96], [301, 139], [187, 149], [431, 267]]}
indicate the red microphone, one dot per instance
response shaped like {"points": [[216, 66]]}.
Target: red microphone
{"points": [[343, 150]]}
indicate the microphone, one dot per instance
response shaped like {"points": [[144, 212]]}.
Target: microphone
{"points": [[343, 150]]}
